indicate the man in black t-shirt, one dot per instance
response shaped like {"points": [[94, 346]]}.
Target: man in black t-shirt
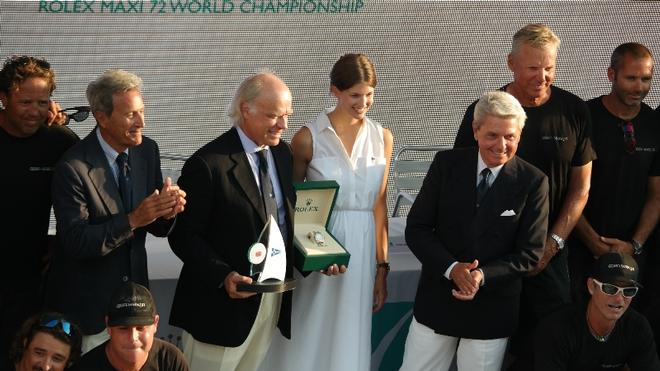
{"points": [[606, 335], [624, 201], [29, 149], [132, 322], [556, 140]]}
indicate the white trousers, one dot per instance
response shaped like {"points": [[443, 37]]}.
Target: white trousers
{"points": [[245, 357], [90, 342], [428, 351]]}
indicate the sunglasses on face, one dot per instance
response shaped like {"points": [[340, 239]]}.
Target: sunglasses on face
{"points": [[53, 322], [81, 114], [613, 290], [629, 140]]}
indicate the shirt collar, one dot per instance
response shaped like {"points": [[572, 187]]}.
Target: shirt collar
{"points": [[109, 152], [248, 145], [482, 165], [325, 122]]}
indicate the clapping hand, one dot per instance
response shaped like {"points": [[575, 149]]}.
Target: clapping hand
{"points": [[160, 204]]}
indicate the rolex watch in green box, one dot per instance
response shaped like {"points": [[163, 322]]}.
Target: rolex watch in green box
{"points": [[315, 247]]}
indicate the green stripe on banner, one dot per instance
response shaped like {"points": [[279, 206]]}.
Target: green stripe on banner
{"points": [[388, 335]]}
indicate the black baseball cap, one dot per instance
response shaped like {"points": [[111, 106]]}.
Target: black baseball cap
{"points": [[131, 305], [616, 268]]}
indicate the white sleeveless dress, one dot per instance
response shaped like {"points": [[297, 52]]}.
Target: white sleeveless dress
{"points": [[331, 319]]}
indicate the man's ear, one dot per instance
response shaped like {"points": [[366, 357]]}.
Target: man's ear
{"points": [[156, 319], [3, 99], [474, 129], [509, 61], [245, 108], [101, 118], [590, 285], [611, 74]]}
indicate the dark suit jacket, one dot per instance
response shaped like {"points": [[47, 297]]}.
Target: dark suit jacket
{"points": [[97, 250], [444, 226], [223, 218]]}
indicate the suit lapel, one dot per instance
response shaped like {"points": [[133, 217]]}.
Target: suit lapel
{"points": [[283, 164], [464, 180], [138, 165], [101, 175], [242, 172]]}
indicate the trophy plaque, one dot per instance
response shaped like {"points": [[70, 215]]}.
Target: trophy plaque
{"points": [[267, 259]]}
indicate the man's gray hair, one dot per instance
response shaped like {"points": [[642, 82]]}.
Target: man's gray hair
{"points": [[536, 35], [247, 92], [100, 91], [499, 104]]}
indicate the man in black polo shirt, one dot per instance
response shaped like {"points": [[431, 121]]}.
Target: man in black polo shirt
{"points": [[556, 140], [624, 201], [604, 335], [132, 322]]}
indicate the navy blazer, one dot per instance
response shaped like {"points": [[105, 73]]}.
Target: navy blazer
{"points": [[224, 216], [97, 251], [506, 234]]}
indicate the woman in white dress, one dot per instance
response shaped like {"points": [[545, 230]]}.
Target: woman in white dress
{"points": [[331, 320]]}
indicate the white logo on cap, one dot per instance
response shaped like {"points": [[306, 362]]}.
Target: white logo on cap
{"points": [[623, 266], [124, 305]]}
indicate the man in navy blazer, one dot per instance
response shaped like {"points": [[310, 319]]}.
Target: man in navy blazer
{"points": [[228, 329], [102, 229], [477, 226]]}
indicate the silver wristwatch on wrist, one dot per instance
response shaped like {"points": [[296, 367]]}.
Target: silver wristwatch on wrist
{"points": [[560, 241], [637, 247]]}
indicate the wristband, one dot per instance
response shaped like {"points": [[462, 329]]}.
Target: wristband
{"points": [[384, 265]]}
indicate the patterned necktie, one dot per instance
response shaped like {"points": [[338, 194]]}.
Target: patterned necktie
{"points": [[267, 194], [482, 187], [124, 180]]}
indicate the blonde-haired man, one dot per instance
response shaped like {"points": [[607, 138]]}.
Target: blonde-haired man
{"points": [[556, 140]]}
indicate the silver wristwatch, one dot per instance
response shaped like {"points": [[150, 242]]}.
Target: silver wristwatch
{"points": [[316, 237], [637, 247], [560, 241]]}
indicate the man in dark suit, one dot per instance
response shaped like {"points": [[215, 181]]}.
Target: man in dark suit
{"points": [[227, 329], [478, 225], [556, 140], [106, 197]]}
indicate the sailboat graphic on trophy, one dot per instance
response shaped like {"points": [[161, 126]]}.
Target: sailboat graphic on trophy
{"points": [[267, 259]]}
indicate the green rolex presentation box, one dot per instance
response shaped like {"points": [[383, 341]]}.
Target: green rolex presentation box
{"points": [[315, 247]]}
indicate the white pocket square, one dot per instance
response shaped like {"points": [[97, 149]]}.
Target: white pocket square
{"points": [[508, 213]]}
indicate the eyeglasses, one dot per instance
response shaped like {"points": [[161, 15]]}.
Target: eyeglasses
{"points": [[81, 114], [52, 322], [629, 140], [613, 290]]}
